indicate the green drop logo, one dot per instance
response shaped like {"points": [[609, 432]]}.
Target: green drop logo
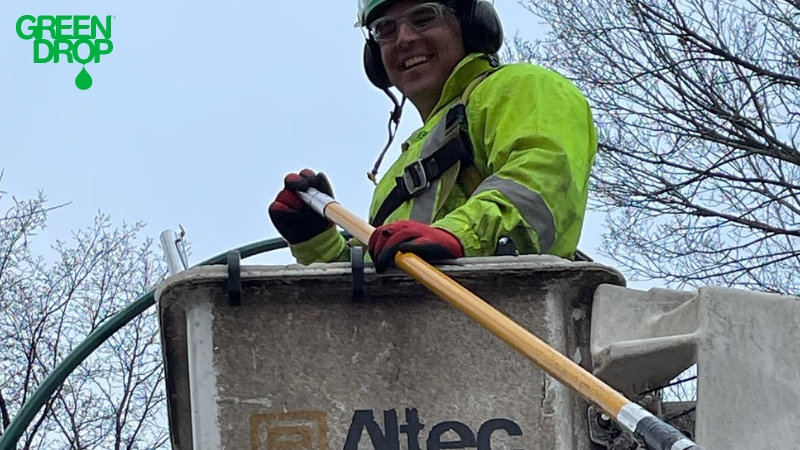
{"points": [[83, 80]]}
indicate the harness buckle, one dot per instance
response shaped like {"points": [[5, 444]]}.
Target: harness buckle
{"points": [[415, 179]]}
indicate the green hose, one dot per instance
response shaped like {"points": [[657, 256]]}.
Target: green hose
{"points": [[50, 384]]}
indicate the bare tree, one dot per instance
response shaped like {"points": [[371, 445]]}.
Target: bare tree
{"points": [[698, 109], [49, 303]]}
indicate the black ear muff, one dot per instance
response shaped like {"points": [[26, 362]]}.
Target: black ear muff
{"points": [[482, 30], [373, 65]]}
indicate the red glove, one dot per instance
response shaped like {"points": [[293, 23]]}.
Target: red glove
{"points": [[425, 241], [293, 219]]}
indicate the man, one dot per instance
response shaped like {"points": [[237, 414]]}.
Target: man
{"points": [[513, 163]]}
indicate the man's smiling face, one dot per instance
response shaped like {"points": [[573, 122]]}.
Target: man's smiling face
{"points": [[420, 59]]}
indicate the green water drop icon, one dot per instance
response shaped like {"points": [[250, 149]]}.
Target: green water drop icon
{"points": [[83, 80]]}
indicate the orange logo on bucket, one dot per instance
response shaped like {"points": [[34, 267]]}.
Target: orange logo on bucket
{"points": [[295, 430]]}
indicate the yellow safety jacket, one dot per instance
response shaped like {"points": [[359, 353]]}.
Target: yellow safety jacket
{"points": [[533, 143]]}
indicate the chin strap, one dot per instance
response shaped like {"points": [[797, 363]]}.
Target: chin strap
{"points": [[394, 118]]}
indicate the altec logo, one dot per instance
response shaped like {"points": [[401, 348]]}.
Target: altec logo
{"points": [[388, 438], [70, 38]]}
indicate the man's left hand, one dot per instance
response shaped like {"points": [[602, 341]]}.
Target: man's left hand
{"points": [[425, 241]]}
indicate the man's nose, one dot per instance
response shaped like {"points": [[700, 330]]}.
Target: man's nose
{"points": [[406, 34]]}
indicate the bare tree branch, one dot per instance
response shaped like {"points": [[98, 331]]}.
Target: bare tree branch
{"points": [[115, 399], [698, 111]]}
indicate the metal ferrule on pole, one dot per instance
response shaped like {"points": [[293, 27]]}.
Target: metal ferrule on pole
{"points": [[316, 200]]}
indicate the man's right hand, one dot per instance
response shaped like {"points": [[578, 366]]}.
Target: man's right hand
{"points": [[293, 219]]}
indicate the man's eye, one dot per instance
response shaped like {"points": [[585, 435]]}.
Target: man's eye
{"points": [[423, 18], [386, 28]]}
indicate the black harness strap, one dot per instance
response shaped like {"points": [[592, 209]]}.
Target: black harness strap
{"points": [[417, 176]]}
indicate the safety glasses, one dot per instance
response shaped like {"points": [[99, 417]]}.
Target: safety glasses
{"points": [[420, 18]]}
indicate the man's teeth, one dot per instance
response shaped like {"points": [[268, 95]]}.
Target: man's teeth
{"points": [[415, 60]]}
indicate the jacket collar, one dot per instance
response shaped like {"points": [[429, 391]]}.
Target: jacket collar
{"points": [[471, 67]]}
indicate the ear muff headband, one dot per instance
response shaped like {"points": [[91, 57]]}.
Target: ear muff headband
{"points": [[481, 32]]}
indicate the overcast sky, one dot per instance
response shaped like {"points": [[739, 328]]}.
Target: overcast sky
{"points": [[197, 114]]}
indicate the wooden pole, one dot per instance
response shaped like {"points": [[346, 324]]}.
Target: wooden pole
{"points": [[632, 417]]}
